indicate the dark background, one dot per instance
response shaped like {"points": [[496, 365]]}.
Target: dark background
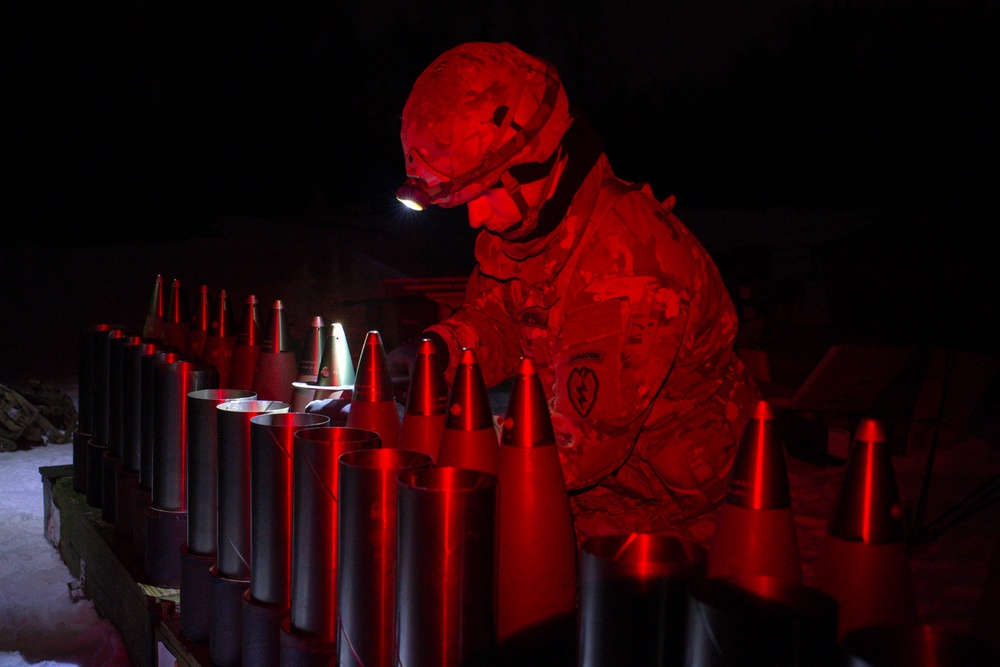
{"points": [[139, 112], [152, 121]]}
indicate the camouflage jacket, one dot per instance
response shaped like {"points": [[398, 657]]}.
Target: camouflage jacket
{"points": [[631, 328]]}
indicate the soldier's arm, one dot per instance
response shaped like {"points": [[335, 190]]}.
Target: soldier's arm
{"points": [[483, 324], [615, 355]]}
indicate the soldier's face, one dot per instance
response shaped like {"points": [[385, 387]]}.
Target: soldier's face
{"points": [[497, 211], [494, 210]]}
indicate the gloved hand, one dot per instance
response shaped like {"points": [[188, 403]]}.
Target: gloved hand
{"points": [[401, 362], [336, 408], [402, 359]]}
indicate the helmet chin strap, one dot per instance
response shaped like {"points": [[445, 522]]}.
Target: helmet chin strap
{"points": [[529, 213]]}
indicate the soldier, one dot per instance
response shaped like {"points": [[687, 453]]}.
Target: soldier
{"points": [[621, 308]]}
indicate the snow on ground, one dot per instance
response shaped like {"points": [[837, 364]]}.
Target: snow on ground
{"points": [[41, 624]]}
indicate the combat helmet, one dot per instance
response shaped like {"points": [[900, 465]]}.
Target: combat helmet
{"points": [[477, 111]]}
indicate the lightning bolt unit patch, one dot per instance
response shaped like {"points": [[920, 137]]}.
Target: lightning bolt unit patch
{"points": [[582, 388]]}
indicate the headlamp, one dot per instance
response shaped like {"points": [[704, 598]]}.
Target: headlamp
{"points": [[412, 195]]}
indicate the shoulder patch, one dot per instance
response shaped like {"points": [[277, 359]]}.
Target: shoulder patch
{"points": [[581, 388]]}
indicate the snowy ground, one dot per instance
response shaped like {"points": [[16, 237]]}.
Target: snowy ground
{"points": [[41, 624]]}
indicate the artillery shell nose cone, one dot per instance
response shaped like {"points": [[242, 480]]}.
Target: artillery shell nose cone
{"points": [[276, 337], [528, 422], [759, 479], [373, 382], [428, 392], [868, 509], [469, 404]]}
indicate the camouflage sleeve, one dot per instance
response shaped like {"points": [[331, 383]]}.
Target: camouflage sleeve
{"points": [[623, 332], [483, 324], [614, 356]]}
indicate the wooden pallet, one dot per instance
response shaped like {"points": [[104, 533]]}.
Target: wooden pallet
{"points": [[108, 573]]}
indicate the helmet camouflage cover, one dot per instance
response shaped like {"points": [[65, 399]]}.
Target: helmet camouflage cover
{"points": [[477, 110]]}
